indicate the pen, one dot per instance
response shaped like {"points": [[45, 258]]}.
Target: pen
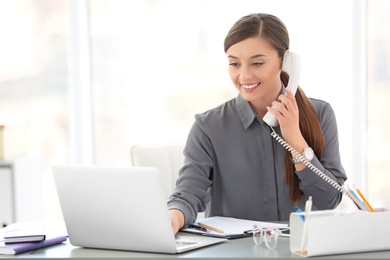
{"points": [[354, 197], [196, 227], [308, 205], [358, 198], [211, 228], [298, 210], [357, 203]]}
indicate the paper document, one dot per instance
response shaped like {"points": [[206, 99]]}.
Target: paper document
{"points": [[231, 227]]}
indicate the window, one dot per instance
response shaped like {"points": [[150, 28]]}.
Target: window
{"points": [[158, 63], [155, 64], [378, 110], [34, 80]]}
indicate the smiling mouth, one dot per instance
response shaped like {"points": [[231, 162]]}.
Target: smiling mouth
{"points": [[250, 86]]}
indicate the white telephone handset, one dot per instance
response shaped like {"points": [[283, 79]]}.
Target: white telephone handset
{"points": [[292, 66]]}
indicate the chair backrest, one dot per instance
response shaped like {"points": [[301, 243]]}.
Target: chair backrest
{"points": [[168, 158]]}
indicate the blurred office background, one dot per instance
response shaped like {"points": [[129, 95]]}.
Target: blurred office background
{"points": [[91, 78]]}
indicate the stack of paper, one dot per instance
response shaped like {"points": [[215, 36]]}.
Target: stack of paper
{"points": [[230, 227]]}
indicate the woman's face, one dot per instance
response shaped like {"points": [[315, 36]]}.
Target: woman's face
{"points": [[254, 68]]}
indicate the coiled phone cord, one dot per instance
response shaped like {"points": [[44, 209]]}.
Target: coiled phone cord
{"points": [[308, 164]]}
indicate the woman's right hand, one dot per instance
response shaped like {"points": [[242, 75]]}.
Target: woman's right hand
{"points": [[177, 219]]}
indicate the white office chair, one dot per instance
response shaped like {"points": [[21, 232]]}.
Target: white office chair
{"points": [[168, 158]]}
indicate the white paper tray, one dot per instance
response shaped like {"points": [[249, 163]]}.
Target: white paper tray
{"points": [[335, 232]]}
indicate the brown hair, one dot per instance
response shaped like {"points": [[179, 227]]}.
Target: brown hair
{"points": [[273, 29]]}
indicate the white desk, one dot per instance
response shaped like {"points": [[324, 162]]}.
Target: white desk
{"points": [[243, 248]]}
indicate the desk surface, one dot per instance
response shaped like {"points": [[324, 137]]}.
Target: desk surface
{"points": [[243, 248]]}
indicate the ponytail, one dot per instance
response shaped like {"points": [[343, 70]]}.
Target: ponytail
{"points": [[312, 132]]}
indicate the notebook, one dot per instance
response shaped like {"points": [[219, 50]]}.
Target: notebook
{"points": [[122, 208]]}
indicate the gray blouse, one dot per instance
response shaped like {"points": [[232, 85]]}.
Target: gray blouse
{"points": [[233, 167]]}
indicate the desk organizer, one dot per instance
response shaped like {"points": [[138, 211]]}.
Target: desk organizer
{"points": [[335, 232]]}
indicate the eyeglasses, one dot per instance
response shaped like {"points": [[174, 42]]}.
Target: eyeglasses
{"points": [[268, 235]]}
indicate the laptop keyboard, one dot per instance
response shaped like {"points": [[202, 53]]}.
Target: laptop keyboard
{"points": [[184, 243]]}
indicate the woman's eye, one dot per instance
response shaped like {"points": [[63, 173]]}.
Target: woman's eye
{"points": [[256, 64], [233, 64]]}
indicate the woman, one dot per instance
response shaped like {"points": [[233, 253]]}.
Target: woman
{"points": [[233, 166]]}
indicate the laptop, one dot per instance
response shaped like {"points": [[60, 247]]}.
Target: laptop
{"points": [[122, 208]]}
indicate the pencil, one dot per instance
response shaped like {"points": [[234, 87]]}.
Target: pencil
{"points": [[354, 199], [211, 228], [352, 190], [365, 201]]}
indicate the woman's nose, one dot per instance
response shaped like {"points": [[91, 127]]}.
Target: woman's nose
{"points": [[245, 73]]}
